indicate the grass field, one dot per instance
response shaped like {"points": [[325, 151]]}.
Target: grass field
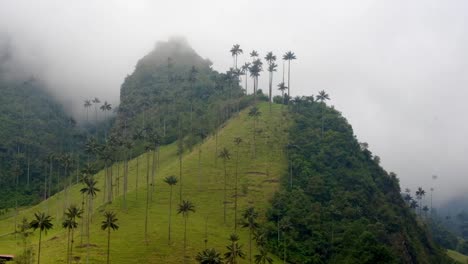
{"points": [[459, 257], [258, 180]]}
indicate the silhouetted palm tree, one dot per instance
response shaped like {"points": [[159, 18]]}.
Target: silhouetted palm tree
{"points": [[262, 257], [282, 88], [322, 97], [234, 250], [171, 181], [109, 223], [250, 222], [419, 195], [72, 214], [236, 51], [289, 56], [270, 58], [96, 101], [245, 71], [237, 141], [42, 222], [91, 191], [209, 256], [225, 155], [185, 207], [87, 105]]}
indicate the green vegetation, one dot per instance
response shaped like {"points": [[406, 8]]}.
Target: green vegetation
{"points": [[306, 190], [339, 205]]}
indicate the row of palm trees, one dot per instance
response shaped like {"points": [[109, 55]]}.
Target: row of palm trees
{"points": [[255, 67], [105, 107], [43, 223]]}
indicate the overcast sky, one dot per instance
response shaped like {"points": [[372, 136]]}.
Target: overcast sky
{"points": [[398, 70]]}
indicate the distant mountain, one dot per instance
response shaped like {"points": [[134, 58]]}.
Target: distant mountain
{"points": [[32, 126]]}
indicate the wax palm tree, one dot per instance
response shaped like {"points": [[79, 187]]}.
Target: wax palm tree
{"points": [[91, 191], [250, 221], [42, 222], [419, 195], [171, 181], [270, 58], [322, 97], [254, 54], [87, 104], [245, 71], [72, 214], [96, 101], [109, 223], [234, 250], [105, 108], [209, 256], [237, 141], [255, 70], [69, 224], [236, 51], [262, 257], [289, 56], [225, 155], [282, 87], [138, 136], [185, 207]]}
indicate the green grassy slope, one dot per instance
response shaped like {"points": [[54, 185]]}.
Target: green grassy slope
{"points": [[258, 179], [457, 256]]}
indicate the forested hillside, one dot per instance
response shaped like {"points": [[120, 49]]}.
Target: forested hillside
{"points": [[337, 205], [37, 139]]}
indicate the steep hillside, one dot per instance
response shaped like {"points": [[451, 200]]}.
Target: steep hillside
{"points": [[337, 205], [203, 184], [33, 125], [176, 92]]}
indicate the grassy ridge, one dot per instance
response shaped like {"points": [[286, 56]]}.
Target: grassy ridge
{"points": [[258, 179]]}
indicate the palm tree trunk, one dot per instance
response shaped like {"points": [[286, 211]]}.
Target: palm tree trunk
{"points": [[147, 197], [108, 245], [71, 245], [185, 235], [225, 191], [250, 246], [199, 168], [235, 191], [170, 215], [289, 79], [180, 177], [68, 245], [137, 176], [39, 251]]}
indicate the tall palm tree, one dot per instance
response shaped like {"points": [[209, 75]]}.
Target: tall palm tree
{"points": [[42, 222], [91, 191], [289, 56], [237, 141], [96, 101], [245, 71], [234, 250], [270, 58], [69, 224], [105, 108], [282, 87], [185, 207], [235, 51], [255, 70], [262, 257], [171, 181], [209, 256], [225, 155], [109, 223], [72, 214], [254, 54], [250, 221], [87, 105], [322, 97], [419, 195]]}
